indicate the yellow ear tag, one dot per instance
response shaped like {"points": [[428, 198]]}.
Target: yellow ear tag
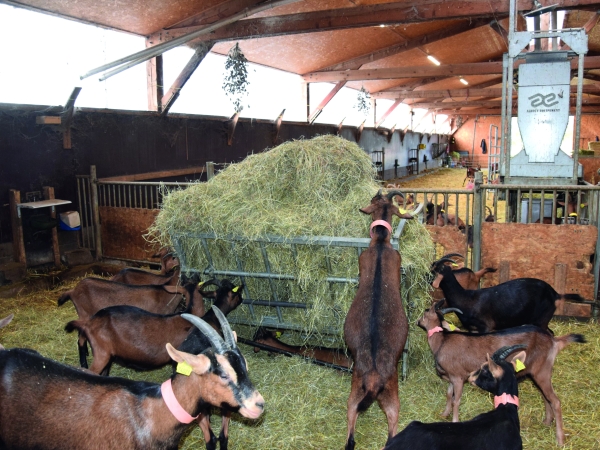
{"points": [[451, 326], [235, 289], [402, 210], [184, 368], [278, 334], [454, 265], [201, 284], [519, 366]]}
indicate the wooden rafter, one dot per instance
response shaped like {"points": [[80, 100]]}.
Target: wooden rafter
{"points": [[415, 84], [169, 98], [395, 13], [67, 117], [387, 113], [410, 44], [497, 111], [464, 93], [215, 13], [313, 116], [482, 68]]}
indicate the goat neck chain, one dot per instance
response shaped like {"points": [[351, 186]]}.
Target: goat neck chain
{"points": [[382, 223], [434, 330], [505, 399], [166, 389]]}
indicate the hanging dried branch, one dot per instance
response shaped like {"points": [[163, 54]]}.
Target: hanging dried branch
{"points": [[363, 101], [236, 81]]}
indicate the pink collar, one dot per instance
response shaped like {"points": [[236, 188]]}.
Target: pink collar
{"points": [[380, 222], [433, 331], [504, 399], [176, 409]]}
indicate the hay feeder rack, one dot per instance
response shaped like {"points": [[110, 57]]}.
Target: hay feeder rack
{"points": [[263, 304]]}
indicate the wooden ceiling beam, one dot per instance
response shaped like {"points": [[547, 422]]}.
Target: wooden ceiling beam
{"points": [[465, 93], [173, 93], [487, 103], [410, 44], [482, 68], [217, 12], [387, 113], [498, 111], [313, 115], [396, 13]]}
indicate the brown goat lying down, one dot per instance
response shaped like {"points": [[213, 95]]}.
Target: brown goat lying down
{"points": [[458, 354], [376, 327], [329, 356], [48, 406]]}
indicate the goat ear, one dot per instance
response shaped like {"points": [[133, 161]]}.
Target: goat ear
{"points": [[200, 363], [368, 209], [436, 282], [521, 356]]}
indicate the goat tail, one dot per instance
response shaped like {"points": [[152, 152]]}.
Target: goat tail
{"points": [[64, 298], [572, 298], [74, 325], [562, 341], [486, 270], [372, 385]]}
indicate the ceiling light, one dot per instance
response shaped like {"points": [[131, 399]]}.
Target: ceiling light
{"points": [[382, 26], [433, 60], [463, 81]]}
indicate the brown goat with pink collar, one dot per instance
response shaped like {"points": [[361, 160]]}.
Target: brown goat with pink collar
{"points": [[376, 327]]}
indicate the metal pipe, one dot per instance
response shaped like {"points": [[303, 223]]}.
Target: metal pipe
{"points": [[151, 52], [578, 117]]}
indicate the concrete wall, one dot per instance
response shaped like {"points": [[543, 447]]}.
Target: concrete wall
{"points": [[125, 143]]}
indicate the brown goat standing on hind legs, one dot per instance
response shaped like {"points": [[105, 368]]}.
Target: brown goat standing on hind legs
{"points": [[376, 327]]}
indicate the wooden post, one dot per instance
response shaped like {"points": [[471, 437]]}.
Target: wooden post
{"points": [[14, 197], [560, 285], [49, 195], [95, 213], [504, 272]]}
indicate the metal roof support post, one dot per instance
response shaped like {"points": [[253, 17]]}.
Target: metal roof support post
{"points": [[477, 220], [578, 117]]}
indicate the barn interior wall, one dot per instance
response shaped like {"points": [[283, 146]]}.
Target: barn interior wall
{"points": [[125, 143], [464, 137]]}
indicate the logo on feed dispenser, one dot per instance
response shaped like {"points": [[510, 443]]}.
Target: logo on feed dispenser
{"points": [[544, 101]]}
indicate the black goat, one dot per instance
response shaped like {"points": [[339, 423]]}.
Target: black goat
{"points": [[70, 409], [516, 302], [376, 327], [498, 429]]}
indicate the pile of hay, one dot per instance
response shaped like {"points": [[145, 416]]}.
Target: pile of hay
{"points": [[300, 188]]}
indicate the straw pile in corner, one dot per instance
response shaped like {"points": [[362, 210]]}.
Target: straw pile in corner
{"points": [[300, 188]]}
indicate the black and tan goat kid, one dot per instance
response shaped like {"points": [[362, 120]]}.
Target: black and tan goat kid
{"points": [[92, 294], [375, 329], [330, 357], [71, 409], [131, 336], [458, 354], [522, 301], [465, 276], [498, 429]]}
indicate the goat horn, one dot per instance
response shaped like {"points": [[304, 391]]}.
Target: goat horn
{"points": [[450, 255], [379, 192], [390, 195], [502, 353], [215, 339], [225, 328], [214, 281], [449, 310]]}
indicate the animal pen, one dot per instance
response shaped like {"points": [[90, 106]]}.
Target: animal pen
{"points": [[514, 244]]}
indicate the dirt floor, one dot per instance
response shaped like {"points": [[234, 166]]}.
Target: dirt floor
{"points": [[306, 404]]}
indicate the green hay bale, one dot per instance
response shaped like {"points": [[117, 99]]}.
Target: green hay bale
{"points": [[300, 188]]}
